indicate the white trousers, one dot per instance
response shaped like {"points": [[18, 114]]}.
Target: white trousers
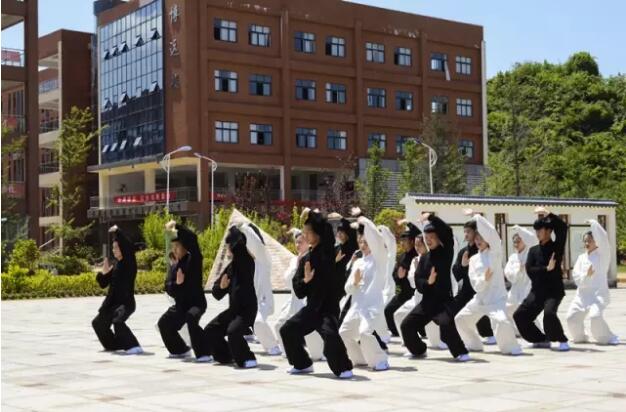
{"points": [[431, 329], [313, 341], [502, 326], [362, 347], [264, 332], [576, 314]]}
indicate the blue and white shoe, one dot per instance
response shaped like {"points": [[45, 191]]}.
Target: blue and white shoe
{"points": [[136, 350], [563, 347], [249, 364], [491, 340], [346, 375], [294, 371]]}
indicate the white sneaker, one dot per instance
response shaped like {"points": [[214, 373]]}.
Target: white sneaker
{"points": [[294, 371], [204, 359], [463, 358], [250, 364], [563, 347], [540, 345], [346, 375], [180, 355], [442, 346], [381, 366], [275, 351], [137, 350], [491, 340], [249, 338], [409, 355], [614, 340], [386, 339], [517, 351]]}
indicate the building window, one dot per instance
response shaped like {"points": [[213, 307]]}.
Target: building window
{"points": [[305, 89], [463, 65], [401, 142], [259, 35], [377, 139], [260, 85], [402, 56], [335, 93], [305, 42], [464, 107], [375, 52], [306, 138], [404, 101], [335, 46], [376, 97], [17, 169], [439, 104], [225, 81], [337, 139], [225, 30], [466, 148], [438, 61], [261, 134], [226, 132]]}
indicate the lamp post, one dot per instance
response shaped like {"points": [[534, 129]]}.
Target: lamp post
{"points": [[432, 161], [165, 164], [213, 169]]}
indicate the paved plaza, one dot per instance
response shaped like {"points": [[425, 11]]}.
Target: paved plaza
{"points": [[52, 361]]}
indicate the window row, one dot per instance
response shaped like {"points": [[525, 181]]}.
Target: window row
{"points": [[439, 104], [439, 62], [123, 47]]}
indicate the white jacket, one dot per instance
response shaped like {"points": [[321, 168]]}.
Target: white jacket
{"points": [[417, 296], [367, 296], [392, 249], [594, 288], [491, 293], [515, 269], [293, 304], [262, 270]]}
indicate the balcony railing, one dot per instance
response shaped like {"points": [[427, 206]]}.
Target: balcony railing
{"points": [[48, 85], [180, 194], [48, 126], [51, 167], [12, 57]]}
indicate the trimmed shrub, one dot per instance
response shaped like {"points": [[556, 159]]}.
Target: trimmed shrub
{"points": [[147, 257], [25, 255], [66, 265]]}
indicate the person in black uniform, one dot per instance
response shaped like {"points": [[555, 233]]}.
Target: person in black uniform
{"points": [[432, 280], [543, 267], [185, 286], [237, 281], [119, 302], [347, 238], [314, 280], [404, 291], [466, 292]]}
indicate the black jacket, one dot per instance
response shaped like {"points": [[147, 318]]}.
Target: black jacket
{"points": [[544, 283], [319, 291], [191, 292], [403, 287], [439, 294], [121, 279], [241, 294], [461, 274]]}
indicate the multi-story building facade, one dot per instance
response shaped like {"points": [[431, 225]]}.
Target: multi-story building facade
{"points": [[278, 87], [63, 81]]}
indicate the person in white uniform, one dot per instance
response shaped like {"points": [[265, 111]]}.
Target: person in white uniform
{"points": [[314, 343], [487, 279], [515, 269], [262, 287], [592, 295], [389, 290], [366, 314]]}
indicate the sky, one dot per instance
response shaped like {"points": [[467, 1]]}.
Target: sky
{"points": [[515, 31]]}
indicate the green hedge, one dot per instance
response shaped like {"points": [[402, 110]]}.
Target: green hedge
{"points": [[19, 285]]}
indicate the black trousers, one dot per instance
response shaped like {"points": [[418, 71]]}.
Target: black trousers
{"points": [[173, 320], [121, 337], [528, 311], [235, 327], [391, 308], [419, 317], [306, 321], [483, 325]]}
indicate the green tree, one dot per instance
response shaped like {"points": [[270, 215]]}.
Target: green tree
{"points": [[74, 146], [413, 169], [373, 189]]}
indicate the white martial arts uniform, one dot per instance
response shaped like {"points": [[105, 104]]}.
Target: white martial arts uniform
{"points": [[592, 295], [314, 343], [366, 313], [392, 250], [262, 287], [490, 298]]}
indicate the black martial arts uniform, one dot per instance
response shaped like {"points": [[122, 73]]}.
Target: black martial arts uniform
{"points": [[546, 290], [404, 291], [348, 248], [466, 292], [190, 302], [236, 321], [320, 312], [436, 304], [119, 303]]}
